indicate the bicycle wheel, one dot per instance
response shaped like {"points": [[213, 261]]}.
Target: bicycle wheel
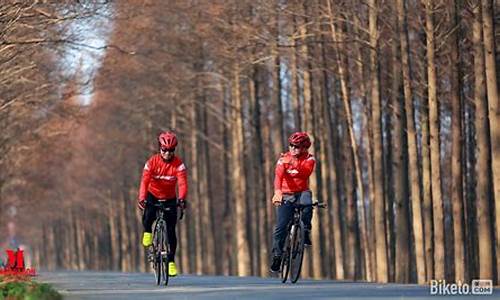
{"points": [[157, 247], [164, 258], [285, 260], [296, 251]]}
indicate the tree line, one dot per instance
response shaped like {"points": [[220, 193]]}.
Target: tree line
{"points": [[400, 98]]}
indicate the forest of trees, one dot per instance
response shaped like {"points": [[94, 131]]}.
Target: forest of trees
{"points": [[400, 98]]}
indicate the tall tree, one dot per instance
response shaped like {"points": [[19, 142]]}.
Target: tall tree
{"points": [[398, 168], [493, 110], [456, 148], [483, 154], [380, 239], [244, 266], [338, 38], [437, 201], [412, 144]]}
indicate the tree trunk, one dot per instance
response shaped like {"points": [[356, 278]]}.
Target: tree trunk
{"points": [[338, 38], [277, 109], [335, 211], [412, 145], [399, 171], [380, 236], [196, 209], [327, 170], [261, 196], [228, 231], [437, 201], [494, 113], [124, 237], [426, 193], [113, 234], [456, 150], [80, 244], [294, 81], [308, 125], [244, 266], [206, 196], [350, 210], [52, 249], [483, 154], [366, 138]]}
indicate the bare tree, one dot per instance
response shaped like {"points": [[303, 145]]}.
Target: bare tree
{"points": [[483, 153], [493, 110], [381, 243]]}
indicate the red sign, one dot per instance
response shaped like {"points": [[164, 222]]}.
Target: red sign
{"points": [[15, 264]]}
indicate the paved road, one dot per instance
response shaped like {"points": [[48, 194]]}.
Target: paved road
{"points": [[128, 286]]}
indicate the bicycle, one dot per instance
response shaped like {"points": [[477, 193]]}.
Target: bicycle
{"points": [[293, 252], [160, 246]]}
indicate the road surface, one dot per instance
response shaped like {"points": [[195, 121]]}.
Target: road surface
{"points": [[128, 286]]}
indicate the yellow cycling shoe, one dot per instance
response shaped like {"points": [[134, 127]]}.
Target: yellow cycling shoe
{"points": [[147, 239], [172, 269]]}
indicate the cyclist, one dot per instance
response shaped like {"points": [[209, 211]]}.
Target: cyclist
{"points": [[162, 172], [291, 185]]}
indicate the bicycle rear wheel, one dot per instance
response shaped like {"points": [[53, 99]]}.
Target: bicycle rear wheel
{"points": [[296, 251], [285, 260]]}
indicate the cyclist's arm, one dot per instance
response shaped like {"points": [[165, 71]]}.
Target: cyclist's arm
{"points": [[307, 167], [146, 177], [182, 181], [278, 175]]}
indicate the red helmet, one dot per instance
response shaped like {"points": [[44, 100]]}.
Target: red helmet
{"points": [[300, 139], [167, 140]]}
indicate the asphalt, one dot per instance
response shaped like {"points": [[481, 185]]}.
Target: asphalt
{"points": [[128, 286]]}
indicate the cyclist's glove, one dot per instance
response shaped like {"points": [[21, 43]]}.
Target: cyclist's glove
{"points": [[141, 204], [182, 204]]}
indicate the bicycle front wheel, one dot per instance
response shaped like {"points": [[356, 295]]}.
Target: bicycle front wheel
{"points": [[158, 249], [285, 260], [164, 257], [296, 251]]}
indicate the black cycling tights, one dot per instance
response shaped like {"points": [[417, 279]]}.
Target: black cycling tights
{"points": [[169, 216]]}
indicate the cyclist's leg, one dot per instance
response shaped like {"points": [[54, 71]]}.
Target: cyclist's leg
{"points": [[306, 199], [171, 219], [307, 214], [284, 215], [148, 218]]}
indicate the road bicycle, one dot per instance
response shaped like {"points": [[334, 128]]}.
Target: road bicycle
{"points": [[160, 247], [293, 251]]}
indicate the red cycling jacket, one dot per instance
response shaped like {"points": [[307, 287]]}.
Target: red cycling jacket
{"points": [[160, 178], [292, 173]]}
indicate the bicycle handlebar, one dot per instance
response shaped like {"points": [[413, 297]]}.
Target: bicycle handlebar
{"points": [[319, 204], [161, 204]]}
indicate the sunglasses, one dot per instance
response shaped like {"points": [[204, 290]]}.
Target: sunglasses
{"points": [[167, 150], [294, 146]]}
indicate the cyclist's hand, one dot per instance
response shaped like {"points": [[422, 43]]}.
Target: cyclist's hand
{"points": [[182, 204], [289, 160], [141, 204], [277, 198]]}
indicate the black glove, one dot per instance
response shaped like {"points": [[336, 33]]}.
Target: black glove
{"points": [[141, 204], [182, 204]]}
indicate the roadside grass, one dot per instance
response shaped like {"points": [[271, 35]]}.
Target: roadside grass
{"points": [[16, 287]]}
